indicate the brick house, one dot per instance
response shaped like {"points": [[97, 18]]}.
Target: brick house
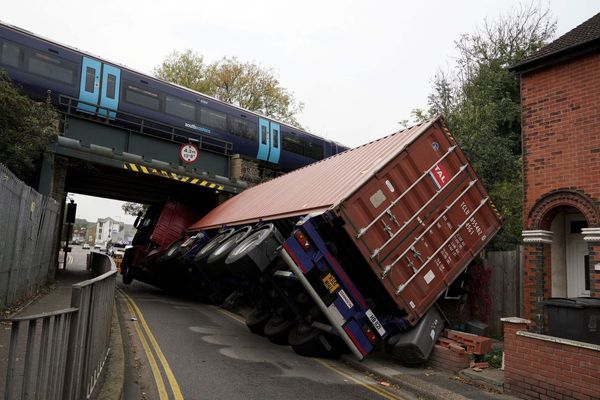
{"points": [[560, 94]]}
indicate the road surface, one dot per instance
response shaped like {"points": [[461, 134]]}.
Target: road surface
{"points": [[183, 349]]}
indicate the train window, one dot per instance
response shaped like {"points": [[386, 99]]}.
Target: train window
{"points": [[313, 150], [263, 134], [10, 55], [213, 118], [180, 108], [275, 139], [142, 97], [111, 85], [292, 144], [242, 128], [51, 67], [90, 77]]}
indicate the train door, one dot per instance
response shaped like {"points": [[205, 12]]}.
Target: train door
{"points": [[99, 85], [109, 94], [89, 90], [263, 139], [275, 148]]}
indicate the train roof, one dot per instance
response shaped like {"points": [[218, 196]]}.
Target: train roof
{"points": [[73, 48]]}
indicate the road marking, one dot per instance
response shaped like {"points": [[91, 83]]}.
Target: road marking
{"points": [[367, 386], [170, 376], [231, 315], [160, 384]]}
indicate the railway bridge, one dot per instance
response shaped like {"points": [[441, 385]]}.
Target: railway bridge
{"points": [[130, 158]]}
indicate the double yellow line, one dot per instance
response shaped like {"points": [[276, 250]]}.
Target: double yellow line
{"points": [[148, 347], [369, 386]]}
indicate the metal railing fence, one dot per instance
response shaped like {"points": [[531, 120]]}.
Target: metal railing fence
{"points": [[65, 358], [28, 246]]}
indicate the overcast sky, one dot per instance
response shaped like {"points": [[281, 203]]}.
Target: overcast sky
{"points": [[359, 67]]}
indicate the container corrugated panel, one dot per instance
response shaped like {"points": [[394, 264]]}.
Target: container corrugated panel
{"points": [[411, 202], [421, 219], [314, 188]]}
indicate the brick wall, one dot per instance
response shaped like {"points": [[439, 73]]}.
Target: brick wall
{"points": [[561, 129], [446, 359], [538, 368], [594, 252], [537, 279]]}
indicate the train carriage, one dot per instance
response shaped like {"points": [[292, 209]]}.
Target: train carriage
{"points": [[48, 69]]}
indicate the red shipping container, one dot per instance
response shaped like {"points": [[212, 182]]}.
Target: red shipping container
{"points": [[411, 203]]}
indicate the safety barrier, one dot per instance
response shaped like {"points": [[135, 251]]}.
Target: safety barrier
{"points": [[65, 359]]}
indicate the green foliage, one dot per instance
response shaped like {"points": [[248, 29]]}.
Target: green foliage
{"points": [[133, 208], [243, 84], [480, 100], [26, 128], [185, 69], [494, 358]]}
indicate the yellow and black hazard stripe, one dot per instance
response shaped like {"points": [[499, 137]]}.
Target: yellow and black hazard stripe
{"points": [[172, 175]]}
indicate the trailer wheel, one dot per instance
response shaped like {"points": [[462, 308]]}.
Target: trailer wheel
{"points": [[277, 329], [211, 245], [255, 253], [174, 251], [256, 321], [220, 253], [311, 342]]}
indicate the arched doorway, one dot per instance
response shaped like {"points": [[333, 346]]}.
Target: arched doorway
{"points": [[561, 253], [569, 265]]}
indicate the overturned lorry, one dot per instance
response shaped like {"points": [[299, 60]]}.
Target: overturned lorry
{"points": [[350, 252]]}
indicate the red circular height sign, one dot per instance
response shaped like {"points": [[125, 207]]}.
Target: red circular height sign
{"points": [[188, 153]]}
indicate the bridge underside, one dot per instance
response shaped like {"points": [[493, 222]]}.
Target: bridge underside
{"points": [[96, 158], [126, 185]]}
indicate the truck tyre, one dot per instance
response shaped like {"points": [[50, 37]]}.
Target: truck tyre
{"points": [[256, 321], [204, 252], [311, 342], [277, 329], [225, 247], [255, 253], [173, 252]]}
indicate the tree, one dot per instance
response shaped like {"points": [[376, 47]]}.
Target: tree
{"points": [[26, 128], [480, 100], [243, 84], [185, 69], [133, 208]]}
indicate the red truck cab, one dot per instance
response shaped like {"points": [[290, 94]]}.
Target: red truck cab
{"points": [[159, 227]]}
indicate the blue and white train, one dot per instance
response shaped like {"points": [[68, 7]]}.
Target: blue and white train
{"points": [[43, 67]]}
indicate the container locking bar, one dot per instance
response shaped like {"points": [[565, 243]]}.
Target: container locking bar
{"points": [[407, 222], [364, 230], [389, 267], [403, 286]]}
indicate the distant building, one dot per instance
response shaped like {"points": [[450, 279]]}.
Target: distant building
{"points": [[107, 229], [90, 234]]}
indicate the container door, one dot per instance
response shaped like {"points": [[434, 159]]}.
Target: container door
{"points": [[275, 148], [89, 91], [263, 139], [109, 92]]}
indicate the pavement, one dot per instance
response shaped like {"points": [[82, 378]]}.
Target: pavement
{"points": [[423, 382]]}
